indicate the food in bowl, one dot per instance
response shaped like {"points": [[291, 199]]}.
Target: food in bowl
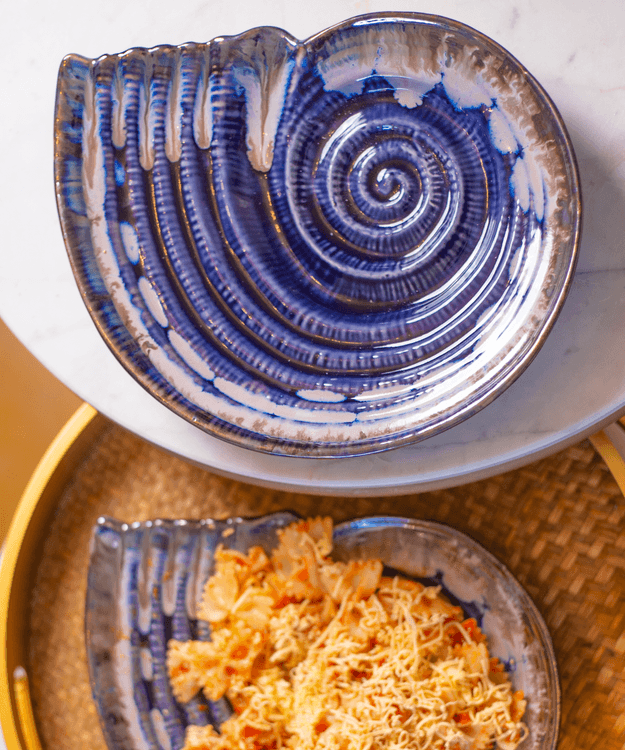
{"points": [[315, 653], [146, 584]]}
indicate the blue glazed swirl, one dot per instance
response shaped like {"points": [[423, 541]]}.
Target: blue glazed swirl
{"points": [[319, 248]]}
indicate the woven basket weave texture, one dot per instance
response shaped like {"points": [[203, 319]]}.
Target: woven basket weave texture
{"points": [[558, 525]]}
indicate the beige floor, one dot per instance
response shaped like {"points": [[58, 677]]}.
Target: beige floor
{"points": [[34, 405]]}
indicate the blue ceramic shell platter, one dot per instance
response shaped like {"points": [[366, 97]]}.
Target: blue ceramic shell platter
{"points": [[319, 248], [145, 582]]}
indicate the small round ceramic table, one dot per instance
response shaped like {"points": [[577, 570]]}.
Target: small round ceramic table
{"points": [[575, 385]]}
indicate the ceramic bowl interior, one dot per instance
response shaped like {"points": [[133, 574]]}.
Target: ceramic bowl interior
{"points": [[145, 580], [326, 247]]}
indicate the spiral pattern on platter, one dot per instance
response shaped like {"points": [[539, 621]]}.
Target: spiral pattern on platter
{"points": [[389, 234], [274, 234], [389, 207]]}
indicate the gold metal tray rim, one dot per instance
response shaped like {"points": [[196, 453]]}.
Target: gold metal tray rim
{"points": [[52, 471]]}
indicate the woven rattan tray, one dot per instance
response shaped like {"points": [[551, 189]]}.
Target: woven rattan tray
{"points": [[558, 524]]}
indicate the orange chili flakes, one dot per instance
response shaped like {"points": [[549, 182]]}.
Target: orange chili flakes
{"points": [[462, 717], [240, 652], [321, 726]]}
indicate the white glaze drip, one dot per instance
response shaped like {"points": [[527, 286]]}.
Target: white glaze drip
{"points": [[203, 110], [146, 117], [264, 98], [173, 114], [409, 67], [119, 97]]}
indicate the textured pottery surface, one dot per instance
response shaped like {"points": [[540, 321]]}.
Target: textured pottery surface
{"points": [[318, 248], [145, 581]]}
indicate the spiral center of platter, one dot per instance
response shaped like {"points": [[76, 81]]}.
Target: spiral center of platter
{"points": [[385, 191], [379, 189], [386, 204], [387, 183]]}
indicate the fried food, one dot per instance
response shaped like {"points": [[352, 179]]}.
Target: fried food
{"points": [[316, 654]]}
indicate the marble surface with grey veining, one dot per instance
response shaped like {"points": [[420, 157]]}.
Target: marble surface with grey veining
{"points": [[576, 383]]}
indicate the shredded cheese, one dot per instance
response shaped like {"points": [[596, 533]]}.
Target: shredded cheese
{"points": [[315, 654]]}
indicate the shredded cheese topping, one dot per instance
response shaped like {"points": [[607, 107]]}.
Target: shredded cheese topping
{"points": [[315, 654]]}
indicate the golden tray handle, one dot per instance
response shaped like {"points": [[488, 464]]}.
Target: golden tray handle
{"points": [[610, 445], [25, 709]]}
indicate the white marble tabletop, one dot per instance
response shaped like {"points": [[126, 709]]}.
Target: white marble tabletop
{"points": [[575, 385]]}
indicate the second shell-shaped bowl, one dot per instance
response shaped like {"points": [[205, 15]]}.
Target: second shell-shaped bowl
{"points": [[146, 579], [318, 248]]}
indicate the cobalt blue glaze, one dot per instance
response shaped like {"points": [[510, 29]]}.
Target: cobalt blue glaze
{"points": [[318, 248]]}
